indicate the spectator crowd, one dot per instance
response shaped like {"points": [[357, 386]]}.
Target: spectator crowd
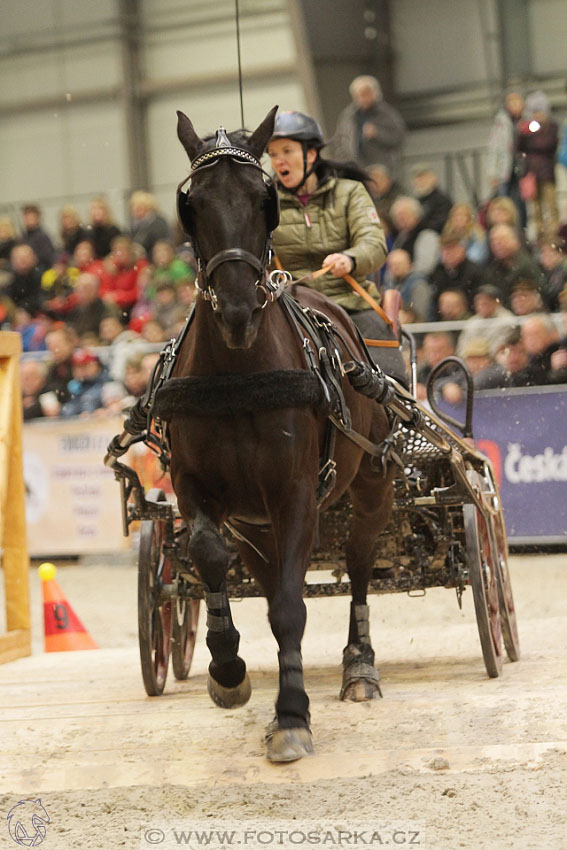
{"points": [[95, 304], [98, 295]]}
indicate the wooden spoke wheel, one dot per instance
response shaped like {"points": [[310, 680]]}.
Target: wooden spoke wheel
{"points": [[185, 617], [154, 608], [505, 595], [483, 577]]}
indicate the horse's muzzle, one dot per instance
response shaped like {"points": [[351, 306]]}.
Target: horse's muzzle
{"points": [[239, 326]]}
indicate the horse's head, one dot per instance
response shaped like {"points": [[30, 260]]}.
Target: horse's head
{"points": [[229, 214]]}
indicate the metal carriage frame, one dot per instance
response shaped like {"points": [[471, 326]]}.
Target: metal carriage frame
{"points": [[447, 530]]}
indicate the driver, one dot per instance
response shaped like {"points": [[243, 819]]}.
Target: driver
{"points": [[328, 218]]}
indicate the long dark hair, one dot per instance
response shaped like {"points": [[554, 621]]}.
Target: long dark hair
{"points": [[326, 168]]}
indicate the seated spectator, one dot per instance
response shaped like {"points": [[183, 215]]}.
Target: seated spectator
{"points": [[511, 354], [510, 261], [554, 263], [486, 306], [168, 267], [32, 329], [435, 203], [36, 237], [33, 375], [525, 297], [384, 190], [413, 288], [123, 343], [462, 224], [84, 259], [148, 225], [503, 210], [153, 331], [166, 308], [186, 296], [7, 240], [23, 287], [102, 229], [86, 385], [436, 346], [453, 306], [60, 341], [58, 287], [541, 340], [72, 231], [421, 243], [485, 371], [89, 309], [453, 271], [122, 269]]}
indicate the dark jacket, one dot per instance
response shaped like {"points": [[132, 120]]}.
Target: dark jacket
{"points": [[86, 319], [503, 275], [349, 144], [467, 277], [540, 149], [101, 235], [42, 245], [58, 379], [25, 290], [436, 208], [149, 230], [554, 282]]}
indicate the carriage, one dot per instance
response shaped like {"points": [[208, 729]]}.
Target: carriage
{"points": [[281, 436], [447, 530]]}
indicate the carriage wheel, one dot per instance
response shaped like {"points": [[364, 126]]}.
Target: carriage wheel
{"points": [[154, 611], [505, 595], [483, 576], [185, 616]]}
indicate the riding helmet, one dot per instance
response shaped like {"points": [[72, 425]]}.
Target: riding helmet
{"points": [[298, 126]]}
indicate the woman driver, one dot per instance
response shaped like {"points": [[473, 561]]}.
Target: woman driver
{"points": [[328, 218]]}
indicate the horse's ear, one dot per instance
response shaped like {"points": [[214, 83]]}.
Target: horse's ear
{"points": [[187, 135], [262, 134]]}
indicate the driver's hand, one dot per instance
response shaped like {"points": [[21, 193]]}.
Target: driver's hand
{"points": [[340, 264]]}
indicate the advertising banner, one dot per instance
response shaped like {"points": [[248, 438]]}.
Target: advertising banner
{"points": [[524, 433], [72, 500]]}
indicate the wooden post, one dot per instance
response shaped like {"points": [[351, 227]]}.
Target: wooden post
{"points": [[13, 544]]}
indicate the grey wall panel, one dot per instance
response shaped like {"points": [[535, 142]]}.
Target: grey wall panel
{"points": [[437, 44], [548, 24]]}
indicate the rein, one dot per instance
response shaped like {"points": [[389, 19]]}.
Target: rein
{"points": [[354, 284]]}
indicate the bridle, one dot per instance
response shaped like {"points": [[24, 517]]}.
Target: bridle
{"points": [[270, 284]]}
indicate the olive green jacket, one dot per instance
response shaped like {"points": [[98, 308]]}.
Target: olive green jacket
{"points": [[339, 217]]}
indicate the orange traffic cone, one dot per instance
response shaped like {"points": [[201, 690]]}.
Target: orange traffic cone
{"points": [[62, 628]]}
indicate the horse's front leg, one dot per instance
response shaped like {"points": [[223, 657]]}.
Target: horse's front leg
{"points": [[228, 683], [289, 736]]}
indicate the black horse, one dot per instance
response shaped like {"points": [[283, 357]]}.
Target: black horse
{"points": [[247, 433]]}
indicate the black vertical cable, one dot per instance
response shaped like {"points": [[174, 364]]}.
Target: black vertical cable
{"points": [[239, 63]]}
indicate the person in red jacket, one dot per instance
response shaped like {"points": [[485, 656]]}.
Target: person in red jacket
{"points": [[538, 138], [122, 269]]}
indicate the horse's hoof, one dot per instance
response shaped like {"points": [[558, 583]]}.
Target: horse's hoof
{"points": [[229, 697], [289, 744], [361, 682], [361, 691]]}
